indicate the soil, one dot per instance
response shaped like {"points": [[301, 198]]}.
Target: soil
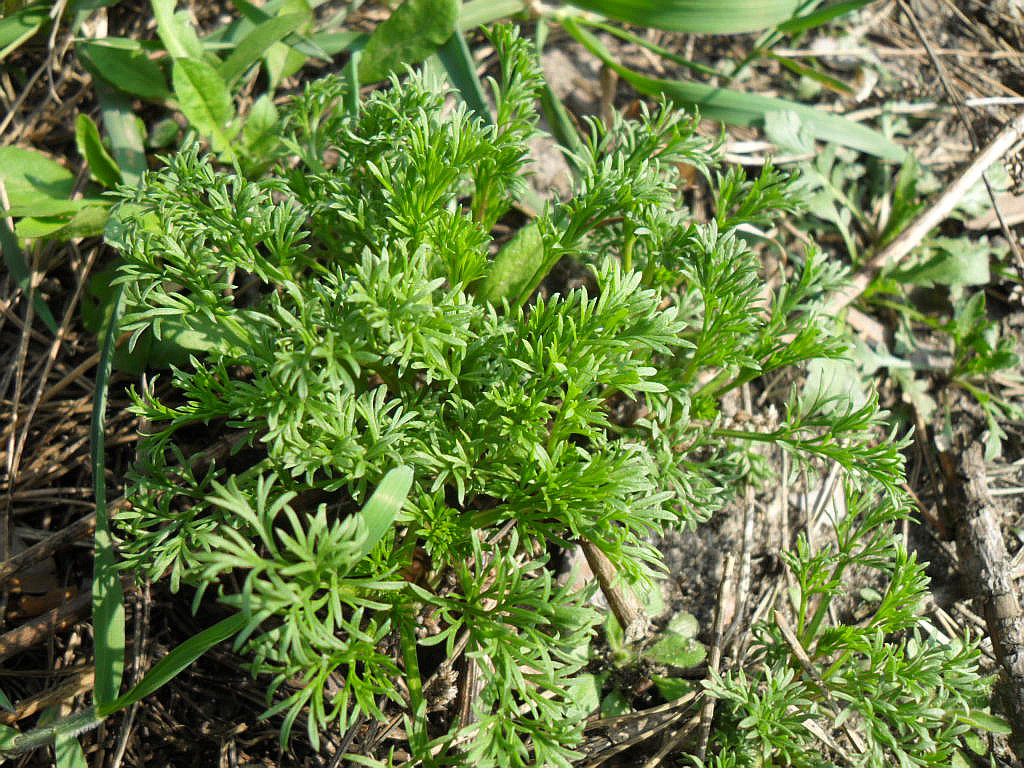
{"points": [[210, 714]]}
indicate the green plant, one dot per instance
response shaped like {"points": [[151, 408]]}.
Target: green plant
{"points": [[890, 689], [345, 317]]}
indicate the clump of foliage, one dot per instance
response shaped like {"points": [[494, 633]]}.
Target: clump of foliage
{"points": [[351, 312]]}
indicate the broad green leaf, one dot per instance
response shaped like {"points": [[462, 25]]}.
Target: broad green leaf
{"points": [[22, 25], [380, 511], [126, 67], [204, 99], [259, 134], [953, 261], [125, 133], [176, 32], [32, 179], [459, 65], [102, 166], [254, 46], [177, 660], [88, 221], [163, 134], [736, 108], [107, 593], [415, 30], [44, 208], [697, 16], [514, 267], [5, 702]]}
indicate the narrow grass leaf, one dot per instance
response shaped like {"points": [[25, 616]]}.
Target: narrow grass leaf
{"points": [[514, 268], [101, 165], [562, 126], [254, 45], [696, 16], [803, 70], [68, 752], [643, 42], [171, 665], [301, 43], [736, 108], [204, 99], [820, 16], [127, 68], [124, 131], [22, 25], [478, 13], [5, 702], [380, 511], [174, 29], [107, 593], [334, 43], [416, 29], [458, 63]]}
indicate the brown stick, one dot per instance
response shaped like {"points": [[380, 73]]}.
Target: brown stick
{"points": [[33, 632], [912, 236], [624, 604], [986, 569]]}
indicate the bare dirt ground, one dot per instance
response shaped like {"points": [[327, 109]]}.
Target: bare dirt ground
{"points": [[952, 72]]}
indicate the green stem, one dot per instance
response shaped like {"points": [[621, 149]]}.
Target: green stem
{"points": [[41, 737]]}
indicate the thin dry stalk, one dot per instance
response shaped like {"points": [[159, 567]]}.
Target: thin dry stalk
{"points": [[912, 236]]}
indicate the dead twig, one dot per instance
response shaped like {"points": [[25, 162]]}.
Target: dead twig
{"points": [[986, 569], [912, 236], [623, 603]]}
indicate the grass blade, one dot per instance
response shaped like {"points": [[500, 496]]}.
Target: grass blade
{"points": [[68, 752], [820, 16], [478, 13], [107, 594], [126, 143], [301, 43], [380, 511], [174, 662], [738, 108], [458, 63], [697, 16], [255, 44]]}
